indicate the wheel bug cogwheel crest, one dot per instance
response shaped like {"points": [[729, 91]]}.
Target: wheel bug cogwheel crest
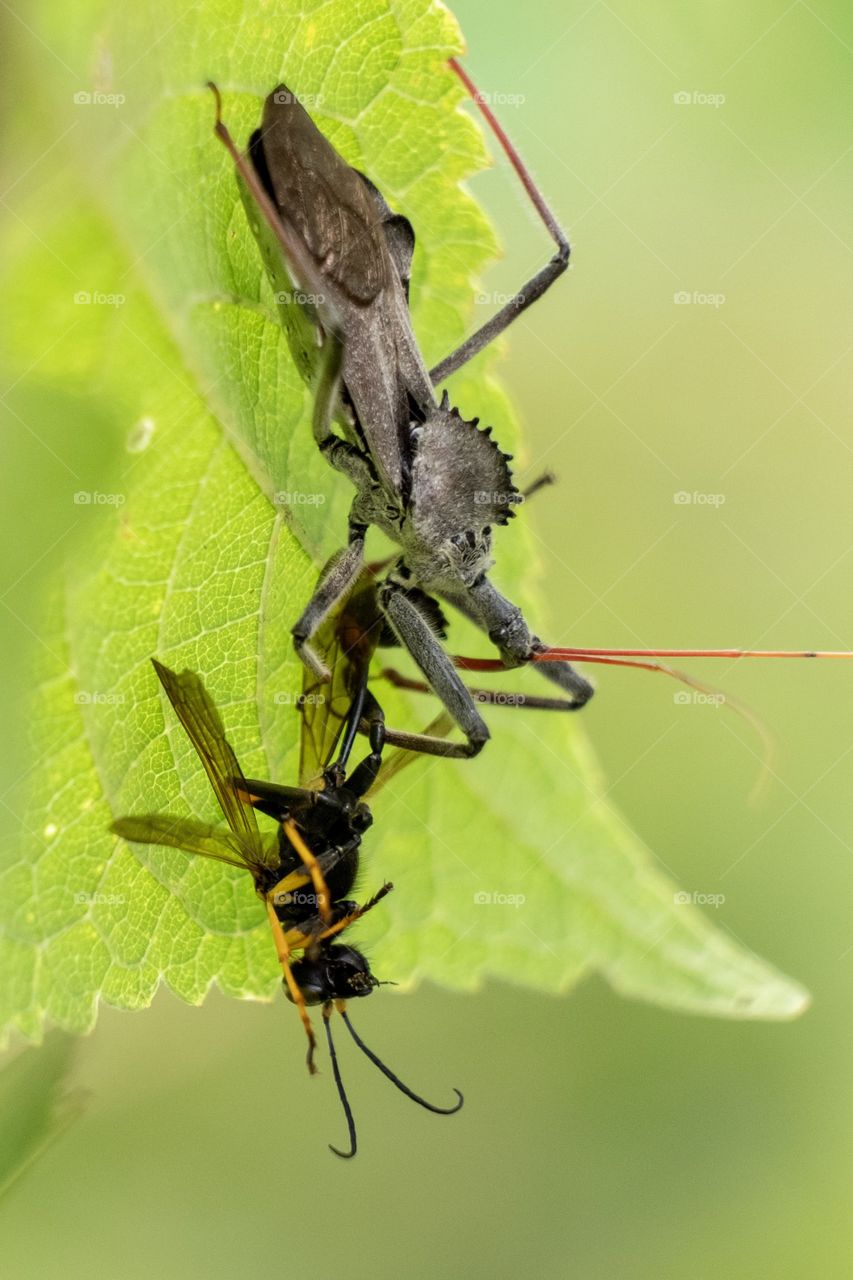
{"points": [[461, 479]]}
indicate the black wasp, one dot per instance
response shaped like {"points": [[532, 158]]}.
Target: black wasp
{"points": [[304, 871]]}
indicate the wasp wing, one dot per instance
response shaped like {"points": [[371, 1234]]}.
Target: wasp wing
{"points": [[347, 640], [197, 713], [181, 833]]}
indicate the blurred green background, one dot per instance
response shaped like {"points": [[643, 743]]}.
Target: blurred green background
{"points": [[599, 1137]]}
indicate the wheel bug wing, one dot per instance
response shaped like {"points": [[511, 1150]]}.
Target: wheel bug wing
{"points": [[321, 225], [323, 198]]}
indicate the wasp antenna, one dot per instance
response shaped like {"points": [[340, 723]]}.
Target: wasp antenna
{"points": [[395, 1080], [342, 1094]]}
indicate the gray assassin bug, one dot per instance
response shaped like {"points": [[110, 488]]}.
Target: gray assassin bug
{"points": [[435, 483], [329, 240]]}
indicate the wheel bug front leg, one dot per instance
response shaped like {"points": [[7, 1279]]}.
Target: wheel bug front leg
{"points": [[335, 583], [338, 576], [410, 626], [534, 288], [505, 626]]}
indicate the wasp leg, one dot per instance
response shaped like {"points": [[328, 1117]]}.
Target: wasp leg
{"points": [[347, 920], [296, 995], [424, 646], [372, 723], [312, 866]]}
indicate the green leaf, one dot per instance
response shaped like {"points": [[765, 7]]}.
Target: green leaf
{"points": [[513, 865], [35, 1107]]}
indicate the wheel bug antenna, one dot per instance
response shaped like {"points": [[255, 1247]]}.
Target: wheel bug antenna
{"points": [[389, 1074], [555, 654], [342, 1093], [604, 658]]}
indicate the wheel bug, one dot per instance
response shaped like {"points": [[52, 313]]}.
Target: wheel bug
{"points": [[305, 870], [417, 466], [433, 482]]}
